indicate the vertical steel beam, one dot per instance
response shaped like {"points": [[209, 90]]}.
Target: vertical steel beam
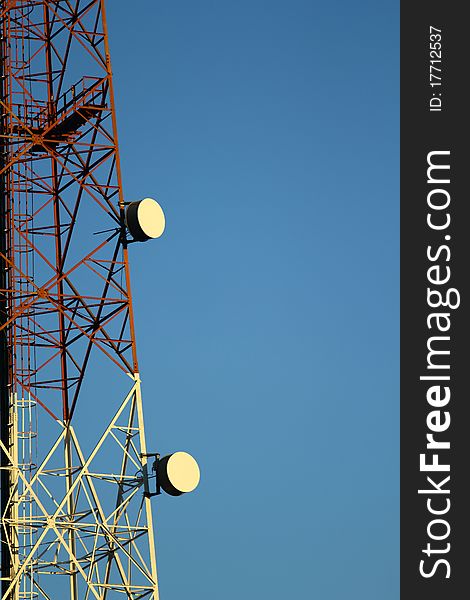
{"points": [[52, 112], [5, 383]]}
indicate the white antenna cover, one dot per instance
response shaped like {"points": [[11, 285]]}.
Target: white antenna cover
{"points": [[145, 219], [178, 473]]}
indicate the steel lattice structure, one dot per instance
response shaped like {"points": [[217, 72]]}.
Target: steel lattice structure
{"points": [[73, 524]]}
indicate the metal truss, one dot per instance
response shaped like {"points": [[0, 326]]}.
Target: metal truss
{"points": [[66, 317], [103, 545]]}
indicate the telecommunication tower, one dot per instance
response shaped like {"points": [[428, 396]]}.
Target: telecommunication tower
{"points": [[76, 515]]}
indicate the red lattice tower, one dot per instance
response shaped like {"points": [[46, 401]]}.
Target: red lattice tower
{"points": [[75, 523]]}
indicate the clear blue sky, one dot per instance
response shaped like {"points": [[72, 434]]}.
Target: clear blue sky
{"points": [[267, 316]]}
